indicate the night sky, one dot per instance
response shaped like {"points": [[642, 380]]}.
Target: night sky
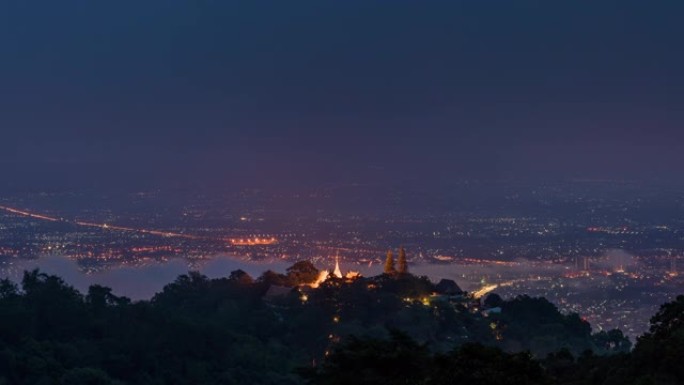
{"points": [[312, 92]]}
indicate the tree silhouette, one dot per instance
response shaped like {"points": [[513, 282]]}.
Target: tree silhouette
{"points": [[270, 277], [493, 300], [660, 352], [302, 272], [612, 341], [389, 263], [403, 264], [401, 360], [241, 277], [373, 361]]}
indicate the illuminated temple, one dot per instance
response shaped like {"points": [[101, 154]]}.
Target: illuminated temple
{"points": [[337, 273]]}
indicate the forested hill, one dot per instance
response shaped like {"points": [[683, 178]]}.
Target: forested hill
{"points": [[277, 330]]}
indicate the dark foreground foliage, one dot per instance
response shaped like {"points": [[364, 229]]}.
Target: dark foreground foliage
{"points": [[400, 360], [239, 330], [196, 331]]}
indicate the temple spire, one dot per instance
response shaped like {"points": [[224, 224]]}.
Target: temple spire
{"points": [[337, 273]]}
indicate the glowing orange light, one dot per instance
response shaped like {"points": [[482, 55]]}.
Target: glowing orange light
{"points": [[253, 241]]}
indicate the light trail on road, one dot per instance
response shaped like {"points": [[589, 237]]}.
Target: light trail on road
{"points": [[31, 215], [491, 287], [484, 291], [168, 234]]}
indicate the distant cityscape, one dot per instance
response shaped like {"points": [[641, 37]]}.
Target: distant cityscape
{"points": [[612, 258]]}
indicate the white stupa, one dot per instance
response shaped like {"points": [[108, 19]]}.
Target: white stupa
{"points": [[337, 273]]}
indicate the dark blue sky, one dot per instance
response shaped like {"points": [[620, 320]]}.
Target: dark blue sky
{"points": [[315, 91]]}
